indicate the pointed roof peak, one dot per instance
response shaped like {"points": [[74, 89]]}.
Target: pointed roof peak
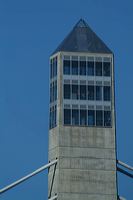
{"points": [[81, 24], [83, 39]]}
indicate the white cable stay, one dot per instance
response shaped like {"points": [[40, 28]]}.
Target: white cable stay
{"points": [[28, 176], [53, 198], [122, 198], [124, 165]]}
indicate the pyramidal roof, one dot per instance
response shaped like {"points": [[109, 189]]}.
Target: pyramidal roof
{"points": [[82, 39]]}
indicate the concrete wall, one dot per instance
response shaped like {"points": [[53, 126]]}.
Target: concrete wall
{"points": [[86, 169]]}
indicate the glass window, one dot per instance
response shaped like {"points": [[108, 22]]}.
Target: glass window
{"points": [[75, 117], [98, 93], [90, 92], [90, 68], [55, 90], [107, 93], [67, 91], [50, 92], [99, 118], [66, 67], [50, 119], [106, 69], [74, 91], [55, 67], [98, 69], [107, 118], [74, 67], [91, 117], [52, 124], [82, 67], [55, 116], [67, 116], [83, 92], [83, 117], [51, 68]]}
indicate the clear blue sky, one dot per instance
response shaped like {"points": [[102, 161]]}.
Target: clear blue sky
{"points": [[30, 30]]}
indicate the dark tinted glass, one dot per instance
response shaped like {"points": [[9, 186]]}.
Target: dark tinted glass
{"points": [[74, 91], [54, 66], [74, 67], [106, 69], [90, 68], [55, 90], [107, 93], [83, 117], [66, 67], [90, 92], [98, 69], [107, 118], [55, 111], [51, 92], [51, 69], [67, 92], [83, 92], [98, 93], [99, 118], [91, 117], [75, 117], [82, 67], [67, 116], [50, 119]]}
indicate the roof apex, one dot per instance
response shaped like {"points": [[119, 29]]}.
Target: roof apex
{"points": [[83, 39], [81, 23]]}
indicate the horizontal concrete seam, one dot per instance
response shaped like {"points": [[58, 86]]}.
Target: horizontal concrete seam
{"points": [[87, 193], [97, 170], [50, 149], [83, 157], [80, 147], [83, 169]]}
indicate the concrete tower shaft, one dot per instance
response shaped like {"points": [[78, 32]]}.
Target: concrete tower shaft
{"points": [[82, 118]]}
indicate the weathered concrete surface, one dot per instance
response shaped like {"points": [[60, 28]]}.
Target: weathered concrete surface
{"points": [[86, 169]]}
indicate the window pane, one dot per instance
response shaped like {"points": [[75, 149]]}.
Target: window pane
{"points": [[107, 93], [83, 117], [99, 118], [67, 93], [50, 119], [106, 69], [82, 67], [55, 90], [74, 67], [67, 116], [55, 67], [98, 93], [90, 68], [75, 117], [74, 91], [91, 117], [98, 69], [66, 67], [51, 92], [90, 92], [51, 68], [83, 92], [55, 116], [107, 118]]}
